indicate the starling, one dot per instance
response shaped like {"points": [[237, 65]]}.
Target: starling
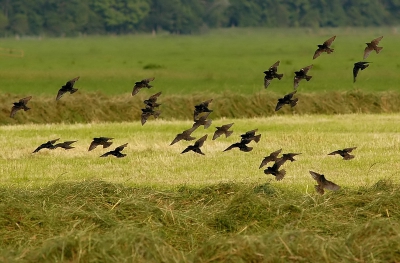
{"points": [[104, 141], [344, 153], [202, 121], [324, 47], [288, 157], [270, 158], [47, 145], [287, 99], [242, 146], [223, 130], [144, 83], [147, 112], [66, 145], [373, 45], [21, 104], [116, 152], [200, 108], [250, 136], [196, 146], [185, 135], [68, 87], [272, 73], [152, 101], [323, 183], [274, 170], [301, 74], [357, 66]]}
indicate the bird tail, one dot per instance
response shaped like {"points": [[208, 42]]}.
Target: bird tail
{"points": [[308, 78], [228, 133], [279, 76], [294, 102], [378, 49], [207, 124], [257, 138], [329, 50], [156, 114], [73, 90], [149, 86], [26, 108]]}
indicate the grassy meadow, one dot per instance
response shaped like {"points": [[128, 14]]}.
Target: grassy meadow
{"points": [[158, 205]]}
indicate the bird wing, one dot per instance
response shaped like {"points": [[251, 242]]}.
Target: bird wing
{"points": [[290, 95], [316, 177], [349, 149], [69, 142], [266, 160], [155, 96], [135, 90], [53, 141], [205, 103], [71, 82], [274, 67], [317, 53], [331, 185], [60, 93], [217, 133], [249, 133], [367, 51], [120, 148], [93, 145], [279, 105], [306, 69], [148, 80], [335, 152], [237, 144], [376, 40], [227, 126], [328, 42], [106, 154], [14, 110], [296, 82], [267, 82], [144, 117], [25, 100], [201, 141]]}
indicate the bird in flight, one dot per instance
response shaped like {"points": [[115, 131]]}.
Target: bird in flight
{"points": [[287, 99], [325, 47], [301, 74], [200, 108], [274, 170], [116, 152], [272, 157], [20, 105], [152, 101], [147, 112], [144, 83], [68, 87], [223, 130], [242, 147], [65, 145], [357, 66], [46, 145], [345, 153], [202, 121], [323, 183], [272, 73], [104, 141], [185, 135], [373, 45], [197, 145], [249, 136]]}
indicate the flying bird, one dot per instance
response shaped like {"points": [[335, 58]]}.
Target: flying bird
{"points": [[272, 73], [152, 101], [250, 136], [144, 83], [46, 145], [147, 112], [287, 99], [223, 130], [200, 108], [104, 141], [65, 145], [373, 45], [357, 66], [116, 152], [301, 74], [272, 157], [345, 153], [197, 145], [20, 105], [323, 183], [202, 121], [325, 47], [288, 157], [68, 87], [274, 170], [242, 146], [185, 135]]}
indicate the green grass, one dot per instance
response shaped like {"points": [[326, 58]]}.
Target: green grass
{"points": [[218, 61]]}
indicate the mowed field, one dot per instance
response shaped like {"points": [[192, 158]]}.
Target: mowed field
{"points": [[158, 205]]}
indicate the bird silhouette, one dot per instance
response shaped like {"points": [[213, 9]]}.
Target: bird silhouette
{"points": [[373, 45], [345, 153], [323, 183], [147, 112], [144, 83], [46, 145], [223, 130], [287, 99], [301, 74], [116, 152], [274, 170], [325, 47], [152, 101], [20, 105], [242, 147], [272, 73], [249, 136], [197, 145], [357, 66], [185, 135], [200, 108], [65, 145], [272, 157], [68, 87], [104, 141], [202, 121], [288, 157]]}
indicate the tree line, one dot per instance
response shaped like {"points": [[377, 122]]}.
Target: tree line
{"points": [[72, 17]]}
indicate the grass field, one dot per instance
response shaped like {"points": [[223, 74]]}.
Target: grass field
{"points": [[221, 60]]}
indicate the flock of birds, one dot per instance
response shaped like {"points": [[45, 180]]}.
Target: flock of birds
{"points": [[202, 112]]}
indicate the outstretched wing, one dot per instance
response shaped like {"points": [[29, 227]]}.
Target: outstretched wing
{"points": [[25, 100], [317, 53], [60, 93], [306, 69], [349, 149], [376, 40], [367, 51], [201, 141], [274, 67], [328, 42], [120, 148]]}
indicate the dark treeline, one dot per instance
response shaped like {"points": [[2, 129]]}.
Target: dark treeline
{"points": [[72, 17]]}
